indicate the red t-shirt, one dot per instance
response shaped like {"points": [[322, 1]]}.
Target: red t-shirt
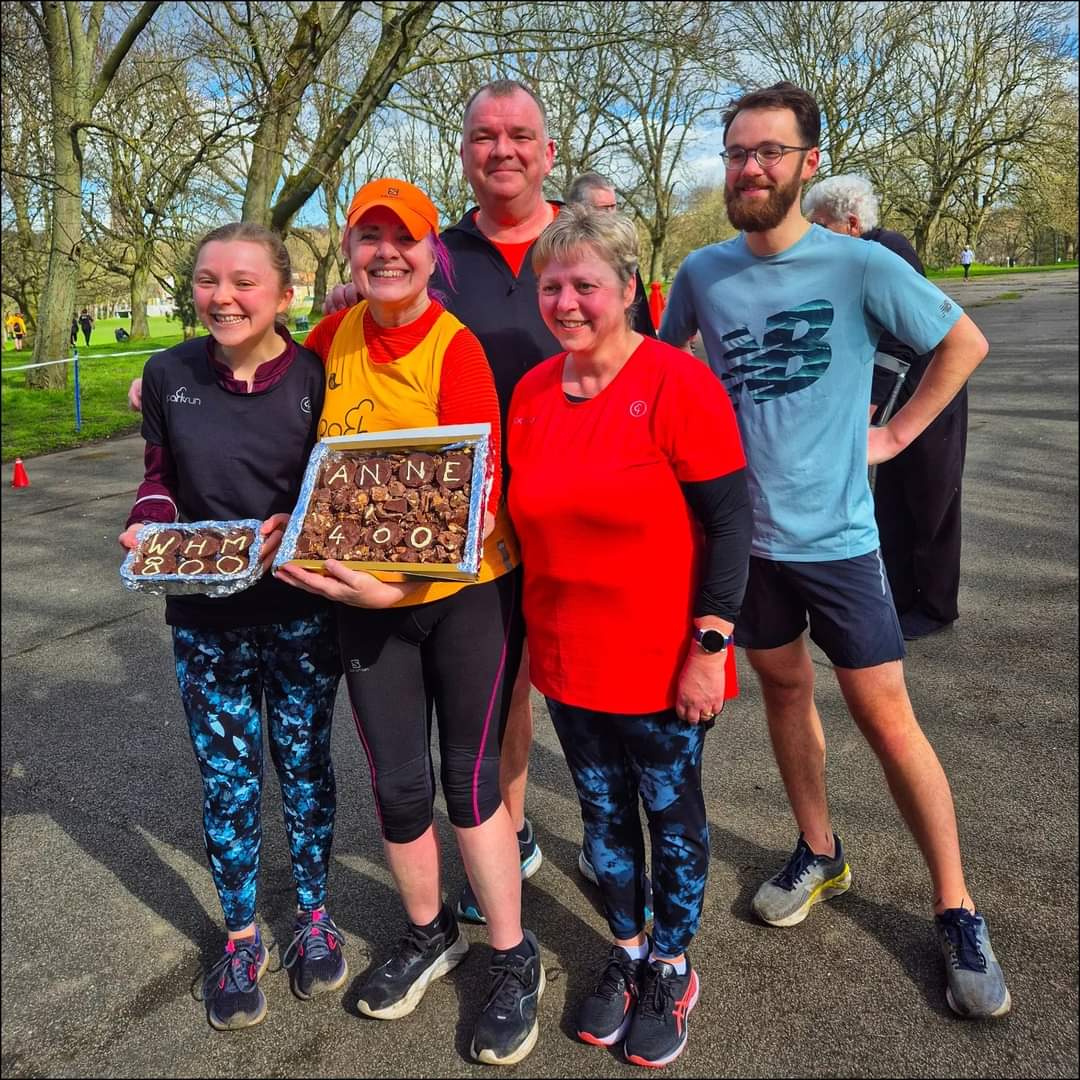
{"points": [[514, 254], [611, 550]]}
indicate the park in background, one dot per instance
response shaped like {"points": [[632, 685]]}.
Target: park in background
{"points": [[131, 128]]}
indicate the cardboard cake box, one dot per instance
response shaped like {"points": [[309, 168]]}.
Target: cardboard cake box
{"points": [[177, 558], [408, 502]]}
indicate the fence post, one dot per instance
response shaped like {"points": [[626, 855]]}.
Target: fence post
{"points": [[78, 403]]}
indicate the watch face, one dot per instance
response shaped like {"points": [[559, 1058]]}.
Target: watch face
{"points": [[712, 641]]}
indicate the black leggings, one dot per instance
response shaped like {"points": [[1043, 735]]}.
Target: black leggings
{"points": [[460, 654]]}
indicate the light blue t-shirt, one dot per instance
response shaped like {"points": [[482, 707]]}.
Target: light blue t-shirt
{"points": [[792, 337]]}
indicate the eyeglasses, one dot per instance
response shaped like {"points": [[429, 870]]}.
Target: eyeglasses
{"points": [[766, 155]]}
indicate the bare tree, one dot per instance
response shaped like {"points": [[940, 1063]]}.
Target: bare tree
{"points": [[852, 56], [81, 68], [155, 150], [670, 90], [984, 79], [365, 156], [25, 162], [270, 55], [1044, 193]]}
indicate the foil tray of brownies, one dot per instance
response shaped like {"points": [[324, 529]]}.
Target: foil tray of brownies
{"points": [[409, 501], [178, 558]]}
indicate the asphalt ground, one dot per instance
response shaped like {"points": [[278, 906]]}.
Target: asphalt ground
{"points": [[109, 912]]}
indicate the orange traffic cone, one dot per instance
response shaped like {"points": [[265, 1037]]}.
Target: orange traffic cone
{"points": [[656, 303], [19, 477]]}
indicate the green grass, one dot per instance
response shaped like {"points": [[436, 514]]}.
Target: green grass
{"points": [[41, 421], [1008, 296], [981, 270]]}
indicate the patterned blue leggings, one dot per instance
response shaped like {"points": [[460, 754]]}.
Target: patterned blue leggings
{"points": [[224, 676], [613, 759]]}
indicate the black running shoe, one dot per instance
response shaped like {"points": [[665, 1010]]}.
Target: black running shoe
{"points": [[314, 957], [659, 1031], [232, 993], [604, 1016], [507, 1028], [395, 988]]}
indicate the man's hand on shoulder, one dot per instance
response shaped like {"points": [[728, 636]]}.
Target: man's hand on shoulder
{"points": [[339, 298]]}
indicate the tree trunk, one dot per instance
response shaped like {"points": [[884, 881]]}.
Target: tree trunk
{"points": [[74, 90], [322, 272], [58, 296], [657, 237], [140, 292], [267, 155]]}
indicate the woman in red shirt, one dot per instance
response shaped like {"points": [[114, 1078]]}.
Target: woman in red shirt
{"points": [[630, 503]]}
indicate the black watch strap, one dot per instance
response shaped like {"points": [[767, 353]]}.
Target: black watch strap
{"points": [[712, 641]]}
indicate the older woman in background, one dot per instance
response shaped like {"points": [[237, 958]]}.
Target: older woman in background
{"points": [[630, 503]]}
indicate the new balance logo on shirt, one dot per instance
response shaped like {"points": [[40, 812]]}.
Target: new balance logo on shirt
{"points": [[793, 356]]}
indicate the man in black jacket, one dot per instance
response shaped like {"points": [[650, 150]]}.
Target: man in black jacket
{"points": [[506, 153], [917, 494]]}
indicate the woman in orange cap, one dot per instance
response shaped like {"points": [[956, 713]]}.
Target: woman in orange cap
{"points": [[397, 360]]}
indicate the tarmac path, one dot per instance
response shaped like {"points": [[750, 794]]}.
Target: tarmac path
{"points": [[109, 912]]}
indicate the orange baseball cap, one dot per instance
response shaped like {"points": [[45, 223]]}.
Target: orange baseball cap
{"points": [[416, 211]]}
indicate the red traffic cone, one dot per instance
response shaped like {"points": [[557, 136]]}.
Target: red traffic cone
{"points": [[19, 477], [656, 303]]}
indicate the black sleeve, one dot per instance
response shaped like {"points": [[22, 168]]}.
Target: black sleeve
{"points": [[722, 507], [153, 412], [898, 244], [642, 318]]}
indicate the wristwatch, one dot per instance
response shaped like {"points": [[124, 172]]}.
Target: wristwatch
{"points": [[712, 641]]}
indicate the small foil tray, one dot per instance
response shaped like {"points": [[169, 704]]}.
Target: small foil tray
{"points": [[430, 440], [174, 584]]}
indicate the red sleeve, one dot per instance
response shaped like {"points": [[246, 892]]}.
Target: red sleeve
{"points": [[467, 396], [696, 424], [320, 337], [156, 498]]}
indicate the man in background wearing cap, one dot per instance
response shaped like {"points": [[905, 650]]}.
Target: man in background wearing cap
{"points": [[506, 154]]}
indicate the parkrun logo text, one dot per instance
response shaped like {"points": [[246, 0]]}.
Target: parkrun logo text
{"points": [[180, 397]]}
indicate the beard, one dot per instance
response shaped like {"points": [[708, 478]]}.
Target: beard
{"points": [[761, 216]]}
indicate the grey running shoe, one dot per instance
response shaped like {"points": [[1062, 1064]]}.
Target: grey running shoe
{"points": [[586, 868], [806, 880], [976, 984]]}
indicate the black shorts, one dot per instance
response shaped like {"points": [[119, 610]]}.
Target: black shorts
{"points": [[848, 603]]}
